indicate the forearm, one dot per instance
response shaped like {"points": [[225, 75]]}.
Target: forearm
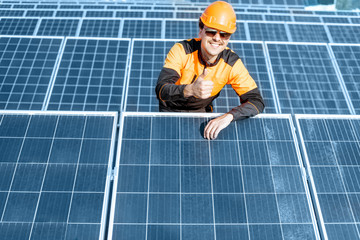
{"points": [[166, 89], [251, 104]]}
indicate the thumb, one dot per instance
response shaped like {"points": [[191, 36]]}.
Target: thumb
{"points": [[204, 73]]}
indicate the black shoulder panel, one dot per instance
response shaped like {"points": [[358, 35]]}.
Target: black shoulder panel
{"points": [[230, 57], [191, 45]]}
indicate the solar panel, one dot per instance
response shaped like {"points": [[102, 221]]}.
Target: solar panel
{"points": [[69, 13], [305, 79], [130, 14], [100, 28], [159, 14], [58, 27], [335, 19], [278, 18], [142, 29], [17, 26], [55, 183], [307, 19], [39, 13], [267, 31], [26, 69], [344, 33], [308, 33], [100, 14], [173, 184], [91, 75], [355, 20], [181, 29], [249, 17], [11, 13], [347, 58], [332, 153]]}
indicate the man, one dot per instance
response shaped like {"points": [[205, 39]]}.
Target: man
{"points": [[196, 70]]}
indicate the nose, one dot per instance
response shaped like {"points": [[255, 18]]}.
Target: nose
{"points": [[217, 36]]}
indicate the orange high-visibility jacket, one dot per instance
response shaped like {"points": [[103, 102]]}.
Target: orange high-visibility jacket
{"points": [[184, 65]]}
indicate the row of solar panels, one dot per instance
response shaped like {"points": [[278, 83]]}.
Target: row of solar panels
{"points": [[170, 183], [277, 3], [47, 73], [175, 29], [344, 17]]}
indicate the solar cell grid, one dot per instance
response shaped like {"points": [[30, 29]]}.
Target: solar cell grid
{"points": [[100, 28], [215, 188], [271, 17], [18, 26], [336, 20], [332, 152], [56, 180], [130, 14], [69, 13], [295, 68], [347, 58], [39, 13], [344, 33], [249, 17], [11, 13], [267, 32], [308, 33], [181, 29], [100, 14], [142, 29], [307, 19], [91, 75], [58, 27], [26, 68]]}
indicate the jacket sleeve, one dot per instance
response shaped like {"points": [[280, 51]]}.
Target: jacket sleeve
{"points": [[166, 89], [251, 100]]}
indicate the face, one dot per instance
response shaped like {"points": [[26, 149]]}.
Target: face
{"points": [[213, 42]]}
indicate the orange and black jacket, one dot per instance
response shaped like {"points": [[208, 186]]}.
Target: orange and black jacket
{"points": [[184, 64]]}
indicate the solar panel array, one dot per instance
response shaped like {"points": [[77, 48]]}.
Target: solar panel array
{"points": [[100, 60]]}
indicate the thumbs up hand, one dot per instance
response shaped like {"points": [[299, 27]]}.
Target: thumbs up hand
{"points": [[201, 88]]}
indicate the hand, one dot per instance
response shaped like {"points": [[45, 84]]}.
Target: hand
{"points": [[201, 88], [213, 128]]}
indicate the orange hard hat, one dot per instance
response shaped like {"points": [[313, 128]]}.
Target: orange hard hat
{"points": [[221, 16]]}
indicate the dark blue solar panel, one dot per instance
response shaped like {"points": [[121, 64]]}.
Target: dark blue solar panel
{"points": [[91, 76], [11, 13], [181, 29], [70, 6], [42, 198], [307, 19], [159, 14], [333, 153], [308, 33], [23, 6], [335, 20], [130, 14], [306, 79], [355, 20], [43, 6], [101, 14], [26, 68], [188, 15], [347, 58], [69, 13], [17, 26], [279, 18], [58, 27], [142, 29], [267, 32], [249, 17], [344, 34], [230, 187], [100, 28], [39, 13]]}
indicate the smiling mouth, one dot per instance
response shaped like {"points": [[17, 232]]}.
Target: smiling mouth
{"points": [[215, 45]]}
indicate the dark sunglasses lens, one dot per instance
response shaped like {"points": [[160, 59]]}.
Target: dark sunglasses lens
{"points": [[210, 33], [225, 34]]}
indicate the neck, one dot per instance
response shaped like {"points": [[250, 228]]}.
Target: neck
{"points": [[206, 58]]}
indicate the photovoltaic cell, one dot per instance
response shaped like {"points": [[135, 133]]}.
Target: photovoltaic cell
{"points": [[130, 14], [182, 185], [347, 58], [58, 27], [335, 20], [181, 29], [54, 183], [278, 18], [307, 19], [142, 29], [355, 20], [344, 34], [91, 76], [17, 26], [306, 80], [154, 14], [267, 32], [27, 65], [249, 17], [188, 15], [308, 33], [100, 28], [333, 153]]}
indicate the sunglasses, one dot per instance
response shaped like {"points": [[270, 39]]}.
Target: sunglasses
{"points": [[212, 32]]}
